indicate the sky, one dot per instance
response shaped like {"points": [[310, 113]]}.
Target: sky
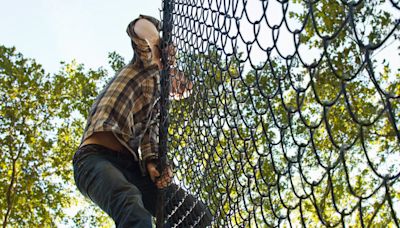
{"points": [[51, 31]]}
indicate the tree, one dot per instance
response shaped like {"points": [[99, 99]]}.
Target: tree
{"points": [[349, 96], [41, 121]]}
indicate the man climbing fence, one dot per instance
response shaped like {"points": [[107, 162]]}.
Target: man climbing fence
{"points": [[117, 165]]}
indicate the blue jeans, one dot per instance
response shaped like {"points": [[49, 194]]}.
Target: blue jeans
{"points": [[114, 181]]}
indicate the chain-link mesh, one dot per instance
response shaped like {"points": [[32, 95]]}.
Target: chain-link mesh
{"points": [[294, 115]]}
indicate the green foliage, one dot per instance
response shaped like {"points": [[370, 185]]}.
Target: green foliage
{"points": [[41, 121], [116, 61]]}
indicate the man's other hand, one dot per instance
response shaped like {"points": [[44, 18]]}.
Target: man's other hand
{"points": [[181, 87], [163, 180]]}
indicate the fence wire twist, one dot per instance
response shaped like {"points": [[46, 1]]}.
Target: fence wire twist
{"points": [[294, 115]]}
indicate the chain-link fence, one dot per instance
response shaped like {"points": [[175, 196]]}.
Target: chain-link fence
{"points": [[294, 115]]}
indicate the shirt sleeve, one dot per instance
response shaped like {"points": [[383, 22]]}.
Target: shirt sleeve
{"points": [[149, 144]]}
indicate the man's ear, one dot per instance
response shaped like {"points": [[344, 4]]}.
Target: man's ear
{"points": [[156, 55]]}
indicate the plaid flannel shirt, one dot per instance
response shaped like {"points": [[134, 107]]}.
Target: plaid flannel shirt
{"points": [[128, 106]]}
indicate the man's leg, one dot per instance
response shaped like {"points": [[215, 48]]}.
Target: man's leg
{"points": [[181, 208], [185, 210], [99, 177]]}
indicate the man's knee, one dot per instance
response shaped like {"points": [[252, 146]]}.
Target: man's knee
{"points": [[119, 198]]}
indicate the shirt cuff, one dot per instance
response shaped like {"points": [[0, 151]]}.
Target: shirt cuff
{"points": [[149, 152]]}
